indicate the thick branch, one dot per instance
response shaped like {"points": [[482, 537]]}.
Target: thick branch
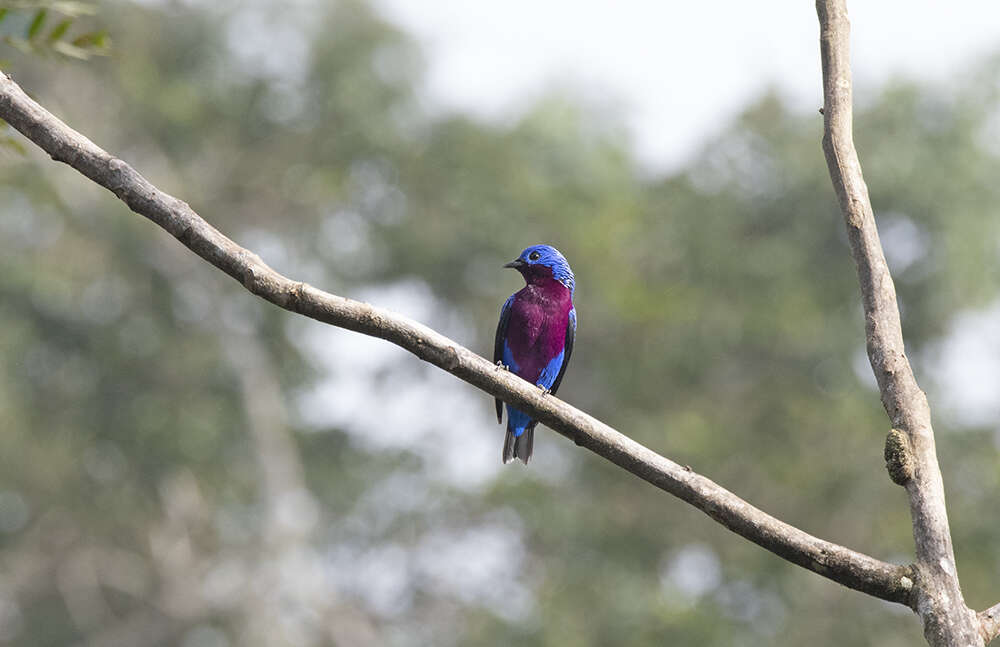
{"points": [[852, 569], [946, 618]]}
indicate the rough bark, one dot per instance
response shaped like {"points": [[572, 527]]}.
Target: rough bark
{"points": [[938, 596], [852, 569], [990, 623]]}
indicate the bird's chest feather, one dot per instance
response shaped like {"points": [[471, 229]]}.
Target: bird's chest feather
{"points": [[537, 331]]}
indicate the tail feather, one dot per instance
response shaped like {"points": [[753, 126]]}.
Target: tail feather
{"points": [[519, 446]]}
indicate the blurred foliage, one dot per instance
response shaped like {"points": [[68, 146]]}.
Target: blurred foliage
{"points": [[49, 27], [165, 481], [46, 28]]}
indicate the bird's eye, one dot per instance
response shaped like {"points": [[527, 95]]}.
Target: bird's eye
{"points": [[534, 256]]}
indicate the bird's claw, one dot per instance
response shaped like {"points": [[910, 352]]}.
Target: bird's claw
{"points": [[500, 366], [545, 390]]}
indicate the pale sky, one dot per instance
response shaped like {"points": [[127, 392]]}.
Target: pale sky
{"points": [[678, 70]]}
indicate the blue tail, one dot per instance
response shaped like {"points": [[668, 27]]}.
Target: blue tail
{"points": [[519, 446], [520, 438]]}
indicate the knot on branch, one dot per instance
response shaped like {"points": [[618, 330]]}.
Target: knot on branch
{"points": [[898, 457], [296, 296], [250, 279], [452, 360]]}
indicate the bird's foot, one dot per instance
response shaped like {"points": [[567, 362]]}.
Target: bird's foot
{"points": [[545, 390], [500, 366]]}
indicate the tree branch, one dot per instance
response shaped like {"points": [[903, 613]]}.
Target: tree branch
{"points": [[989, 621], [852, 569], [939, 601]]}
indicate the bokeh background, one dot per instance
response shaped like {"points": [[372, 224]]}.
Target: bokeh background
{"points": [[182, 464]]}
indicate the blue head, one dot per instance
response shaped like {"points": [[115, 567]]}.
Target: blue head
{"points": [[543, 261]]}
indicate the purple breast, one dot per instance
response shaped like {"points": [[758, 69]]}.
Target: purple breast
{"points": [[537, 330]]}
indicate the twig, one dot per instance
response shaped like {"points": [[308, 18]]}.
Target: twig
{"points": [[852, 569], [989, 621], [947, 621]]}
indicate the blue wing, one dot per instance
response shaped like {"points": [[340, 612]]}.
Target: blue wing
{"points": [[567, 350], [500, 342]]}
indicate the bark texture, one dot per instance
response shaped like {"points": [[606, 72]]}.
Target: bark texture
{"points": [[852, 569], [910, 451], [990, 621]]}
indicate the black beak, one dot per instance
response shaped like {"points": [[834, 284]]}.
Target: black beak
{"points": [[517, 264]]}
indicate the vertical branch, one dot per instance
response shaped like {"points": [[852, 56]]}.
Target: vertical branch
{"points": [[947, 621]]}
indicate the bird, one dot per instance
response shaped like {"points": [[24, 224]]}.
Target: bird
{"points": [[535, 337]]}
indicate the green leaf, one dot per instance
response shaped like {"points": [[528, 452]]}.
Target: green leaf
{"points": [[36, 24], [96, 40], [60, 30], [3, 13], [19, 43], [72, 51]]}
